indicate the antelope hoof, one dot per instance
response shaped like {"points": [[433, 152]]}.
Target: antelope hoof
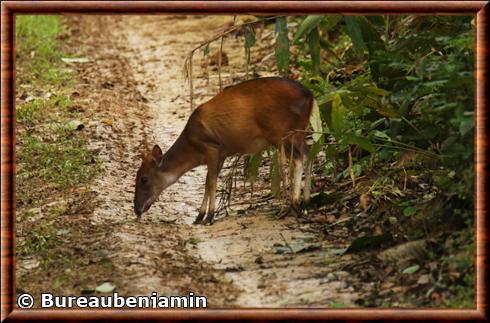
{"points": [[208, 220], [198, 220]]}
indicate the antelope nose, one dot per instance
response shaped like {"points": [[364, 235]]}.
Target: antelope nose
{"points": [[138, 211]]}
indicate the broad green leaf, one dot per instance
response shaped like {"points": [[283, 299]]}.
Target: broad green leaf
{"points": [[376, 90], [363, 142], [370, 35], [316, 122], [282, 45], [337, 115], [310, 23], [411, 269], [321, 100], [329, 22], [355, 33], [314, 44]]}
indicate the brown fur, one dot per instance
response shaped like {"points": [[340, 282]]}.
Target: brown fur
{"points": [[242, 119]]}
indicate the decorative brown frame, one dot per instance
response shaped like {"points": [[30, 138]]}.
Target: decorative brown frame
{"points": [[10, 8]]}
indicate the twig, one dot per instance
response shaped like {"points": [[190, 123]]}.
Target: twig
{"points": [[405, 180], [219, 63], [286, 242], [351, 173], [338, 222], [418, 131]]}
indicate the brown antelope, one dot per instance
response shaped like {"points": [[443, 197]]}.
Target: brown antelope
{"points": [[242, 119]]}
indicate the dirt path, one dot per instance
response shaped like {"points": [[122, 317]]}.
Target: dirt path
{"points": [[250, 260]]}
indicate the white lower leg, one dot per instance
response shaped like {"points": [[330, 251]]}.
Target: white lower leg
{"points": [[298, 173], [204, 203]]}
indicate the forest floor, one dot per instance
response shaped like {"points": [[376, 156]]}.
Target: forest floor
{"points": [[131, 92]]}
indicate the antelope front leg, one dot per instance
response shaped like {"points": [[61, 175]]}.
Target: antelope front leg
{"points": [[214, 166], [204, 204]]}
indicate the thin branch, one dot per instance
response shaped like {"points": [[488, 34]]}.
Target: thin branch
{"points": [[220, 56], [351, 172]]}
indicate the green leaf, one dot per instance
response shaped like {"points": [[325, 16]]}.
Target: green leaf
{"points": [[409, 211], [355, 33], [337, 115], [411, 269], [310, 23], [381, 134], [314, 44], [363, 142], [205, 50], [466, 126], [370, 35], [329, 22], [316, 122], [282, 45], [376, 91]]}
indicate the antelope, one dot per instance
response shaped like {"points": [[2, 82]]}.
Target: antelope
{"points": [[242, 119]]}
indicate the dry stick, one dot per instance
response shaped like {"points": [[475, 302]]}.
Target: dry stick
{"points": [[286, 242], [351, 173], [225, 197], [219, 63], [247, 54], [191, 85], [405, 180], [338, 222]]}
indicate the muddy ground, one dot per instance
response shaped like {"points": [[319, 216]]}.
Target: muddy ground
{"points": [[135, 94]]}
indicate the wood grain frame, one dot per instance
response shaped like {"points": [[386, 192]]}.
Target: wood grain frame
{"points": [[11, 8]]}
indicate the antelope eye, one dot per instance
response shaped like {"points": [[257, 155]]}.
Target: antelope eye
{"points": [[144, 180]]}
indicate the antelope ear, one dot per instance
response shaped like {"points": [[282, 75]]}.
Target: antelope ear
{"points": [[156, 153]]}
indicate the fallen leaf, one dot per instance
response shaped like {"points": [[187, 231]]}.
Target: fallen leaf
{"points": [[107, 122], [75, 125], [30, 264], [105, 288], [411, 269], [71, 60], [423, 280]]}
